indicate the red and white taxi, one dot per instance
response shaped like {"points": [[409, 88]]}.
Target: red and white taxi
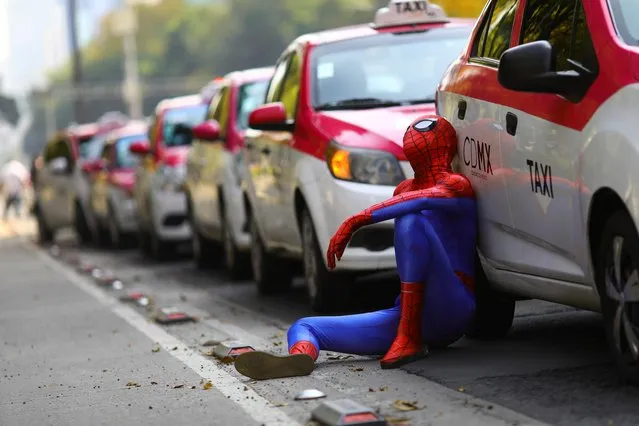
{"points": [[111, 195], [544, 99], [328, 142], [159, 181]]}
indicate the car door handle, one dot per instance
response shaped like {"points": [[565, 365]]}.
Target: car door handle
{"points": [[266, 151], [511, 123], [461, 109]]}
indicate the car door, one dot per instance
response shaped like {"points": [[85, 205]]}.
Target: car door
{"points": [[46, 184], [144, 174], [467, 103], [259, 146], [100, 186], [195, 166], [543, 188], [283, 158]]}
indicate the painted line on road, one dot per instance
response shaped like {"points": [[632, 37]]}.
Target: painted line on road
{"points": [[259, 408]]}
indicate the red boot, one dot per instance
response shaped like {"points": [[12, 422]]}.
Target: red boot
{"points": [[407, 346], [262, 365]]}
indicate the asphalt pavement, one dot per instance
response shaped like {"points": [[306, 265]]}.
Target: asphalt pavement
{"points": [[74, 354]]}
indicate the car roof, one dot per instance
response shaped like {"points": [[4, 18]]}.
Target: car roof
{"points": [[82, 131], [132, 128], [250, 75], [178, 102], [364, 30]]}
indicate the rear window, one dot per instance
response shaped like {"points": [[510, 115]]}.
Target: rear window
{"points": [[251, 96], [625, 14], [188, 116]]}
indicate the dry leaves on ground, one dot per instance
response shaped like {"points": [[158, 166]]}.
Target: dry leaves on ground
{"points": [[208, 385], [402, 405], [398, 421], [178, 386], [133, 384]]}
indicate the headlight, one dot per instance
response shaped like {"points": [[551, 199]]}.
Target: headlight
{"points": [[363, 165], [172, 177]]}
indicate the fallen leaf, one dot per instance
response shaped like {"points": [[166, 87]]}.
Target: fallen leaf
{"points": [[405, 405], [371, 390], [277, 343], [383, 389], [245, 388], [155, 349], [283, 404], [357, 369], [178, 386], [133, 384], [397, 421], [207, 385], [154, 383], [209, 353], [461, 389], [175, 348], [227, 360]]}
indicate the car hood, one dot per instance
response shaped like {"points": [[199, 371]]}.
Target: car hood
{"points": [[175, 155], [123, 178], [379, 128]]}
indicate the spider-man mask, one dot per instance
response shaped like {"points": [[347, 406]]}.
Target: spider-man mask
{"points": [[430, 144]]}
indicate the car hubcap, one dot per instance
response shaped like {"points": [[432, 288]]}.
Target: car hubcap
{"points": [[310, 265], [256, 254], [622, 286]]}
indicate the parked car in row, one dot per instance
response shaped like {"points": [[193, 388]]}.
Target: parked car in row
{"points": [[112, 200], [327, 143], [159, 181], [214, 174], [547, 134]]}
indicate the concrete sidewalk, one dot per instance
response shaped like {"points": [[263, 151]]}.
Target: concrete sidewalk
{"points": [[69, 360]]}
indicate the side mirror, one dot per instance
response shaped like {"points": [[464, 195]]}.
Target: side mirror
{"points": [[59, 166], [270, 117], [140, 147], [207, 131], [531, 67]]}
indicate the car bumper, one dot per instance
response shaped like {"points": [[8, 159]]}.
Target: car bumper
{"points": [[170, 217]]}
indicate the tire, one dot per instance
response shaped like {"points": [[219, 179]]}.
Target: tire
{"points": [[328, 292], [144, 242], [160, 250], [236, 263], [45, 235], [206, 253], [495, 310], [81, 225], [618, 286], [272, 274]]}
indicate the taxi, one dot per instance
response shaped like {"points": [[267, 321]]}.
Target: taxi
{"points": [[112, 199], [159, 180], [544, 100], [214, 173], [61, 189], [327, 143]]}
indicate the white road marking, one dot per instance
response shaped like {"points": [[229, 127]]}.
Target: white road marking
{"points": [[259, 408]]}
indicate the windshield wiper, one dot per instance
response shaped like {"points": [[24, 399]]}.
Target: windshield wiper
{"points": [[358, 103]]}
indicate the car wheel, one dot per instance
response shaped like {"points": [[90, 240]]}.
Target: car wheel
{"points": [[328, 291], [617, 278], [45, 235], [160, 250], [115, 235], [271, 274], [81, 225], [205, 252], [236, 263], [495, 310]]}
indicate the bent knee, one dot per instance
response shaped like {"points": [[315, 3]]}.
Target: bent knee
{"points": [[410, 224]]}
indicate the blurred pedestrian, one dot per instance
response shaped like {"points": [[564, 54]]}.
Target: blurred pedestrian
{"points": [[14, 178]]}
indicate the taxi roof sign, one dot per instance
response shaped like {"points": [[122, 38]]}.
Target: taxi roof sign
{"points": [[409, 12]]}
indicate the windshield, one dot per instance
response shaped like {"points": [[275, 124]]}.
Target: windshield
{"points": [[251, 96], [123, 157], [91, 149], [385, 69], [625, 14], [189, 116]]}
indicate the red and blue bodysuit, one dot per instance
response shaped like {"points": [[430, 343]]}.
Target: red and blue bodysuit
{"points": [[435, 217]]}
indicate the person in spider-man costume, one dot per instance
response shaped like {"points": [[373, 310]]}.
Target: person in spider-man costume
{"points": [[435, 241]]}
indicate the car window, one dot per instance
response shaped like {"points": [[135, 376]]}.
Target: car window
{"points": [[251, 95], [221, 113], [123, 157], [553, 21], [291, 86], [56, 149], [277, 80], [188, 116], [496, 31], [625, 14], [91, 150], [383, 68], [106, 155]]}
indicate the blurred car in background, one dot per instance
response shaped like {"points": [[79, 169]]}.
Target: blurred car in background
{"points": [[214, 195], [88, 152], [112, 198], [160, 178], [61, 189], [328, 143]]}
